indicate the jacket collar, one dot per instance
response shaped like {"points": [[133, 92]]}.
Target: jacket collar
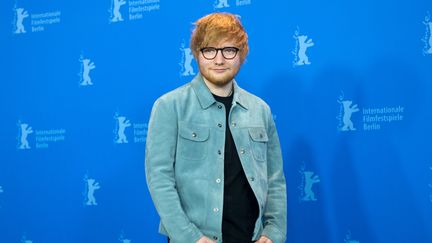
{"points": [[206, 98]]}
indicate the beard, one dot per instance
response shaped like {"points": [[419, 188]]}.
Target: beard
{"points": [[219, 79]]}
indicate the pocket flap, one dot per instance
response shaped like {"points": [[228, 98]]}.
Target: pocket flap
{"points": [[194, 133], [258, 134]]}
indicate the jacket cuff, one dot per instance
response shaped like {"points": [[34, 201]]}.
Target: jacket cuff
{"points": [[274, 234]]}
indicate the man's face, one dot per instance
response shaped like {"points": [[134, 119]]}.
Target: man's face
{"points": [[220, 70]]}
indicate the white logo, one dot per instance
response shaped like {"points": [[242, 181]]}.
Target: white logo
{"points": [[138, 8], [221, 4], [346, 111], [373, 118], [348, 238], [428, 35], [123, 240], [430, 187], [38, 21], [1, 191], [86, 66], [186, 63], [42, 138], [91, 187], [115, 10], [243, 2], [24, 240], [121, 124], [121, 135], [20, 15], [23, 131], [308, 180], [302, 44]]}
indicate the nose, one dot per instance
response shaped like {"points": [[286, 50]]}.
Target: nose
{"points": [[219, 59]]}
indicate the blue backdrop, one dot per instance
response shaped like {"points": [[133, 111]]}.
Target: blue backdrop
{"points": [[349, 82]]}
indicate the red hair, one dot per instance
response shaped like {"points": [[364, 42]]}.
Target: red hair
{"points": [[217, 27]]}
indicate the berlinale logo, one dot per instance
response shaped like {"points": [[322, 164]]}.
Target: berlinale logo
{"points": [[221, 4], [20, 15], [25, 240], [135, 10], [122, 239], [91, 185], [119, 132], [348, 238], [345, 112], [38, 21], [24, 130], [309, 178], [428, 35], [116, 15], [186, 61], [86, 66], [138, 133], [302, 44], [430, 186]]}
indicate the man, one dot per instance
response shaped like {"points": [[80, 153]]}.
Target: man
{"points": [[213, 160]]}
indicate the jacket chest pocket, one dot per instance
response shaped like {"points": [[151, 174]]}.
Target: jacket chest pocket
{"points": [[258, 140], [192, 142]]}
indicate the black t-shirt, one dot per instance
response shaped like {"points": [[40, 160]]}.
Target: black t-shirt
{"points": [[240, 208]]}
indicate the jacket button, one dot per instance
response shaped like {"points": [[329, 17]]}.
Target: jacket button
{"points": [[194, 134], [219, 125], [219, 152], [219, 106], [215, 210], [252, 178], [215, 238], [233, 124], [242, 151], [218, 180]]}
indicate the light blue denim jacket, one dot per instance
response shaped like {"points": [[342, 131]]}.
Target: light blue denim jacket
{"points": [[185, 162]]}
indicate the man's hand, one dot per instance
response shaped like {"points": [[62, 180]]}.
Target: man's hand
{"points": [[205, 240], [264, 239]]}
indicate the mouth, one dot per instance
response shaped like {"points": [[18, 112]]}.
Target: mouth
{"points": [[219, 70]]}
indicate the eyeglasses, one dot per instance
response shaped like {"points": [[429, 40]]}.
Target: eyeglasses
{"points": [[210, 53]]}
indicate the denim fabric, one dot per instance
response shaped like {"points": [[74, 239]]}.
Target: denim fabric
{"points": [[185, 159]]}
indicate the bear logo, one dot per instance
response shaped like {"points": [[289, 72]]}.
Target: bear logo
{"points": [[116, 10], [87, 66], [25, 130], [303, 43], [21, 14], [348, 238], [428, 38], [309, 180], [221, 4], [187, 64], [348, 110], [92, 186], [122, 124]]}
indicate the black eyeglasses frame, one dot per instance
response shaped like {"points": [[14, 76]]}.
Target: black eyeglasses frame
{"points": [[219, 49]]}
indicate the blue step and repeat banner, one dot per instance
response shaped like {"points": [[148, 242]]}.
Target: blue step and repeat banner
{"points": [[349, 82]]}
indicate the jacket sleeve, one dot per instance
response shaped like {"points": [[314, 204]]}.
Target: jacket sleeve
{"points": [[275, 212], [159, 168]]}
